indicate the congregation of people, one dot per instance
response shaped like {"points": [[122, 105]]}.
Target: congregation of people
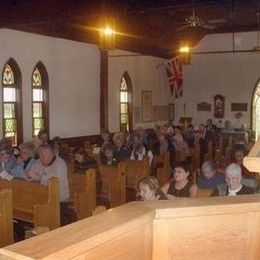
{"points": [[41, 159]]}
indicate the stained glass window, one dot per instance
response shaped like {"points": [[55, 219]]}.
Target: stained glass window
{"points": [[8, 75], [125, 95], [123, 85], [36, 78], [39, 96], [11, 125], [9, 94]]}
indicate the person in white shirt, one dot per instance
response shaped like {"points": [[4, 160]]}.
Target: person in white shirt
{"points": [[139, 152], [233, 185]]}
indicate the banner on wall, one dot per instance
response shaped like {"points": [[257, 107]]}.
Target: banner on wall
{"points": [[175, 77]]}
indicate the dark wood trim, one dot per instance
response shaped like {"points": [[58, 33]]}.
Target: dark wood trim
{"points": [[79, 140], [19, 110], [103, 89]]}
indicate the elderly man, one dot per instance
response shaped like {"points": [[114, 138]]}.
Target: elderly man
{"points": [[47, 166], [233, 185]]}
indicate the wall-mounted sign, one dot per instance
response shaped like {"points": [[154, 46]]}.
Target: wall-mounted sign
{"points": [[219, 106]]}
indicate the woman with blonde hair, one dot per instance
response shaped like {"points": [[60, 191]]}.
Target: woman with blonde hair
{"points": [[149, 189]]}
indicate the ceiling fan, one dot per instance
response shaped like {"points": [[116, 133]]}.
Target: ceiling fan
{"points": [[195, 21]]}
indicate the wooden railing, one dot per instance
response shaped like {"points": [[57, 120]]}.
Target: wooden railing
{"points": [[203, 228]]}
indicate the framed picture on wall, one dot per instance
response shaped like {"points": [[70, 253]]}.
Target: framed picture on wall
{"points": [[171, 112], [147, 106], [219, 106]]}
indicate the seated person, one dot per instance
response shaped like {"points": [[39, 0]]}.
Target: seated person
{"points": [[233, 185], [59, 148], [47, 166], [41, 138], [25, 160], [149, 189], [7, 160], [179, 143], [139, 152], [209, 177], [104, 138], [107, 155], [179, 185], [238, 154], [121, 152], [83, 162]]}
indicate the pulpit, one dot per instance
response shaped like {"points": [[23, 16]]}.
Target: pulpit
{"points": [[252, 161]]}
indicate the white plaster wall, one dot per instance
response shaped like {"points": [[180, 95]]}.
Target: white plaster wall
{"points": [[74, 80], [146, 73], [233, 75]]}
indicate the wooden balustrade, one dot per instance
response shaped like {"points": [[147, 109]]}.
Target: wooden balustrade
{"points": [[202, 228]]}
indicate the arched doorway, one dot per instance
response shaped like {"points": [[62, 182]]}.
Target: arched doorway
{"points": [[256, 110]]}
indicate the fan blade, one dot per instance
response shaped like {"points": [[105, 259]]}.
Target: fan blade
{"points": [[183, 27], [214, 21], [208, 26]]}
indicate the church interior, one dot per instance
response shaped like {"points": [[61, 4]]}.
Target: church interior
{"points": [[130, 129]]}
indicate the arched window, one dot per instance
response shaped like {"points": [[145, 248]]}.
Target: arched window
{"points": [[12, 105], [125, 103], [40, 110], [256, 111]]}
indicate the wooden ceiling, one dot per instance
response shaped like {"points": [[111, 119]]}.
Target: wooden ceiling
{"points": [[145, 26]]}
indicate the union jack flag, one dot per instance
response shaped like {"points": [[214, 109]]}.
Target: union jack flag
{"points": [[174, 73]]}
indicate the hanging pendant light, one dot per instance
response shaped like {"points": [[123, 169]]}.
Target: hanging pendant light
{"points": [[107, 34]]}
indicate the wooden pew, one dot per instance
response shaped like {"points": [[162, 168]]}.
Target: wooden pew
{"points": [[204, 192], [6, 218], [218, 150], [195, 153], [162, 164], [114, 183], [202, 228], [209, 155], [35, 203], [83, 193], [135, 170], [180, 156]]}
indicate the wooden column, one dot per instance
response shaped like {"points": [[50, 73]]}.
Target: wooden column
{"points": [[103, 89]]}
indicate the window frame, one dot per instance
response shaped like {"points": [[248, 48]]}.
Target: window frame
{"points": [[18, 102], [45, 102], [129, 103]]}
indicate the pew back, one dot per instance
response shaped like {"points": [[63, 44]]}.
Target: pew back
{"points": [[162, 164], [35, 203], [114, 183], [135, 170], [83, 192], [6, 218]]}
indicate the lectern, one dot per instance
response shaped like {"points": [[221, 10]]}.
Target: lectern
{"points": [[252, 161]]}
